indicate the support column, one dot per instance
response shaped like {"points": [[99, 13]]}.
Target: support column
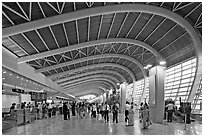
{"points": [[134, 91], [156, 93], [123, 95]]}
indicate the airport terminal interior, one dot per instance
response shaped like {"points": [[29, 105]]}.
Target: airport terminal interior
{"points": [[101, 68]]}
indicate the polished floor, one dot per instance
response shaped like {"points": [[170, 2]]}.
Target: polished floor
{"points": [[87, 126]]}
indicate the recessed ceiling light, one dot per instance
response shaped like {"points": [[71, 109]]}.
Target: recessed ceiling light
{"points": [[10, 74], [3, 78], [4, 72], [17, 77]]}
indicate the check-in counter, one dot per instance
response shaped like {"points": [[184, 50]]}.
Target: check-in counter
{"points": [[27, 115], [33, 114], [9, 120], [20, 116]]}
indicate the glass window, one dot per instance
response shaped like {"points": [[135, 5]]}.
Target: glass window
{"points": [[183, 89], [178, 81], [185, 80]]}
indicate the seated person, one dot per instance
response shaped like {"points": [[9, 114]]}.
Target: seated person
{"points": [[12, 107]]}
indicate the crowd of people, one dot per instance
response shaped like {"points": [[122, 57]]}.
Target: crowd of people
{"points": [[94, 110]]}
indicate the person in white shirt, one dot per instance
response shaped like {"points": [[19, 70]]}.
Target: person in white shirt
{"points": [[170, 110], [106, 112], [50, 110], [127, 108], [94, 110]]}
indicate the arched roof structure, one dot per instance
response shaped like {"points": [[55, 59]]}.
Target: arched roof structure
{"points": [[57, 41]]}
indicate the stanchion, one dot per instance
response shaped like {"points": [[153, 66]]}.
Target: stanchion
{"points": [[185, 122]]}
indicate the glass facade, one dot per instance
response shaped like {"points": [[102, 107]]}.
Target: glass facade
{"points": [[178, 82], [197, 102]]}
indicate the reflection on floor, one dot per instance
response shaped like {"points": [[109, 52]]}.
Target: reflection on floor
{"points": [[87, 126]]}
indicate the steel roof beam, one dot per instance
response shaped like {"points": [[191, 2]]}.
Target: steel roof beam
{"points": [[93, 72], [90, 77], [84, 88], [88, 44], [113, 85], [102, 84], [91, 58], [96, 92], [105, 83], [93, 66]]}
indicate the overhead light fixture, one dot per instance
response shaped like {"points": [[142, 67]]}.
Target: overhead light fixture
{"points": [[17, 77], [118, 84], [162, 62], [149, 65], [10, 74], [145, 67], [4, 72], [3, 78]]}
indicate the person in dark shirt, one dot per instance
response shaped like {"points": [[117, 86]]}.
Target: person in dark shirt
{"points": [[65, 110], [12, 107]]}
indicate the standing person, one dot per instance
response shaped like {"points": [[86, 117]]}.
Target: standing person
{"points": [[94, 110], [22, 105], [39, 110], [188, 113], [106, 115], [44, 110], [49, 110], [80, 110], [131, 116], [64, 109], [60, 108], [102, 108], [73, 108], [127, 108], [115, 109], [170, 110], [145, 116], [68, 108], [98, 109]]}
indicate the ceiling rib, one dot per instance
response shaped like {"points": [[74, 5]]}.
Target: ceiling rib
{"points": [[113, 85], [90, 58], [122, 24], [88, 44], [93, 66], [90, 82], [112, 78], [87, 84], [92, 72], [111, 25]]}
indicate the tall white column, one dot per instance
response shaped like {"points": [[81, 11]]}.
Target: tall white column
{"points": [[156, 93], [123, 95]]}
